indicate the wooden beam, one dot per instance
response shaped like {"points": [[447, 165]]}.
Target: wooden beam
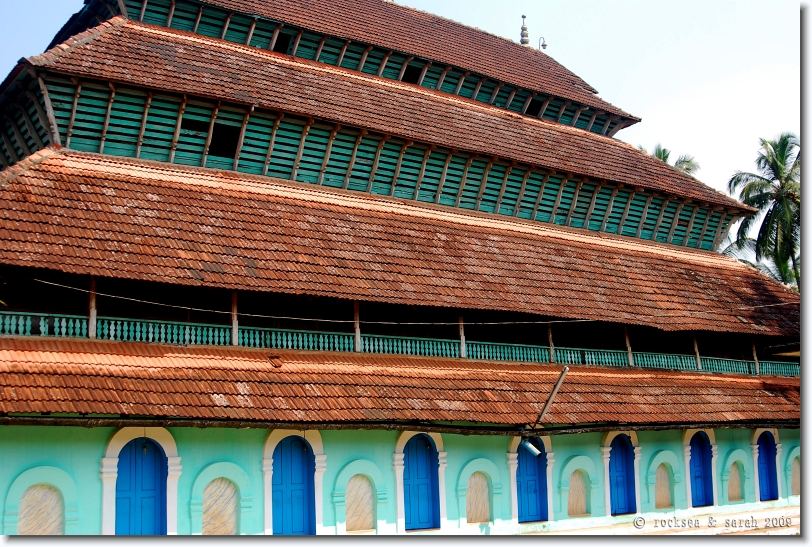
{"points": [[92, 322], [675, 223], [376, 163], [721, 233], [296, 42], [609, 207], [690, 226], [73, 112], [527, 102], [422, 174], [577, 114], [242, 137], [364, 56], [320, 48], [441, 79], [561, 111], [462, 81], [41, 114], [478, 87], [214, 114], [423, 73], [625, 213], [629, 353], [274, 36], [510, 99], [274, 131], [544, 107], [704, 230], [143, 127], [235, 325], [107, 117], [122, 7], [343, 52], [144, 10], [504, 187], [518, 207], [29, 124], [329, 150], [197, 21], [463, 180], [444, 175], [593, 118], [351, 166], [225, 26], [9, 145], [171, 15], [609, 121], [644, 216], [484, 183], [406, 145], [18, 136], [299, 152], [592, 203], [659, 220], [715, 243], [496, 90], [557, 203], [252, 30], [383, 63], [618, 127], [49, 109], [175, 138], [574, 200], [403, 68], [540, 197], [3, 160]]}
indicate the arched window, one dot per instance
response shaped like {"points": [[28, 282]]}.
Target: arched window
{"points": [[734, 483], [531, 483], [477, 499], [141, 489], [701, 470], [421, 492], [663, 490], [294, 498], [621, 476], [579, 494], [360, 505], [41, 512], [220, 515], [795, 486], [767, 478]]}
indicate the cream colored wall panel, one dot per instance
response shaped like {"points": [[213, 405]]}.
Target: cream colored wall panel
{"points": [[477, 500], [41, 512], [220, 508], [360, 505]]}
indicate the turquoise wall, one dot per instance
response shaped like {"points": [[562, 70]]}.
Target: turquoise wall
{"points": [[78, 452]]}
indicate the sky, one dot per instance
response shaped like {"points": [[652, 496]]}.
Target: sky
{"points": [[708, 77]]}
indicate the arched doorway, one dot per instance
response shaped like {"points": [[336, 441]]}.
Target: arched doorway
{"points": [[294, 505], [767, 478], [531, 483], [701, 470], [141, 489], [621, 476], [421, 492]]}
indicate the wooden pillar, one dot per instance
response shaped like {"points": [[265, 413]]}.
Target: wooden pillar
{"points": [[592, 204], [422, 173], [609, 207], [540, 197], [225, 26], [197, 21], [252, 30], [510, 99], [518, 207], [106, 125], [550, 342], [462, 81], [92, 319], [527, 102], [176, 136], [755, 359], [384, 62], [171, 15], [364, 56], [577, 114], [441, 79], [558, 199], [241, 140], [644, 216], [543, 108], [704, 230], [463, 350], [562, 110], [30, 124], [690, 227], [628, 346], [73, 111], [675, 223], [274, 131], [214, 114], [235, 325], [399, 165], [18, 136], [403, 68], [343, 52], [354, 156], [504, 187], [423, 73], [463, 180], [484, 182], [327, 153], [274, 36], [376, 163], [659, 219], [296, 41], [496, 90], [144, 10], [574, 203], [696, 353], [357, 317], [300, 152], [593, 118], [49, 109], [443, 176], [143, 127]]}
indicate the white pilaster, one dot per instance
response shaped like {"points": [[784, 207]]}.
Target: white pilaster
{"points": [[714, 457], [550, 462], [267, 469], [607, 494], [174, 469], [109, 474], [637, 455], [777, 468], [513, 467], [318, 490], [686, 452], [441, 457], [754, 448], [398, 466]]}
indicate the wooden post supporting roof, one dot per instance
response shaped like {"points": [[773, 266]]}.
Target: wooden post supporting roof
{"points": [[320, 48], [527, 102], [354, 156], [540, 197], [629, 353], [32, 130], [550, 342], [327, 152], [235, 325], [376, 163], [574, 203], [403, 68], [593, 118], [609, 121], [525, 178], [272, 142], [609, 207], [275, 36], [214, 114], [241, 140], [503, 187], [716, 240], [496, 90], [460, 82], [141, 130], [675, 223], [174, 147], [92, 315], [463, 180], [441, 79], [18, 136], [592, 203], [463, 349], [644, 216], [107, 118], [122, 7], [577, 114], [704, 229], [343, 52], [423, 73], [197, 21], [422, 173], [484, 182], [299, 153], [56, 138], [696, 354], [690, 226], [443, 176], [225, 26], [618, 127], [562, 110], [510, 99], [755, 359], [544, 107], [399, 165], [144, 10], [564, 182], [364, 56], [660, 219], [357, 317], [626, 213], [384, 62], [73, 111], [254, 28], [478, 87], [296, 42]]}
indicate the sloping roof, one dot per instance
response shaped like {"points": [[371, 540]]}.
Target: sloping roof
{"points": [[158, 58], [429, 36], [68, 376], [92, 214]]}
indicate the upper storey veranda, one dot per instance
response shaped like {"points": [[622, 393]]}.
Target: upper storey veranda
{"points": [[395, 42]]}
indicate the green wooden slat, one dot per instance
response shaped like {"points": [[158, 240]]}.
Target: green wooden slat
{"points": [[472, 183], [531, 192], [125, 123], [431, 178], [340, 156], [552, 109], [519, 100], [409, 171], [432, 76], [364, 160], [618, 206], [583, 119], [682, 225], [157, 12], [308, 45], [382, 184], [374, 60], [255, 145], [597, 126], [313, 154], [393, 66], [185, 16], [212, 22], [451, 80], [503, 96], [512, 189], [485, 91], [668, 220], [634, 216], [22, 127], [651, 218], [43, 132], [133, 7], [699, 222], [578, 219], [352, 58], [263, 34], [192, 143], [452, 181], [469, 86], [90, 114], [238, 28], [286, 147], [566, 201], [493, 186], [330, 51], [160, 129], [713, 226], [549, 195], [601, 204], [569, 112]]}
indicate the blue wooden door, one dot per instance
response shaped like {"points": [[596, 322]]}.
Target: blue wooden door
{"points": [[701, 470], [294, 498], [621, 476], [531, 484], [141, 489], [421, 493], [767, 479]]}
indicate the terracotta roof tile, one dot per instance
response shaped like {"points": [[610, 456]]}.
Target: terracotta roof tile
{"points": [[406, 253], [38, 375], [158, 58]]}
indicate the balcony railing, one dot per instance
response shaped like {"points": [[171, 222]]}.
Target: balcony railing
{"points": [[167, 332]]}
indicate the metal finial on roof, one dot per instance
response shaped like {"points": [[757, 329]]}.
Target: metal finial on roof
{"points": [[525, 35]]}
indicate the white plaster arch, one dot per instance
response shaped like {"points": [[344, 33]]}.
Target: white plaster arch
{"points": [[313, 438], [513, 467], [658, 458], [398, 466], [489, 469], [52, 476], [109, 474], [754, 447], [794, 452], [572, 464], [606, 448], [687, 435], [735, 455], [371, 471]]}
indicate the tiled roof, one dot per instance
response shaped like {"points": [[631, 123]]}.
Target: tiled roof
{"points": [[110, 217], [429, 36], [164, 59], [66, 376]]}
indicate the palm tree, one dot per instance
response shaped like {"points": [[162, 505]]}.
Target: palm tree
{"points": [[776, 192], [781, 271], [685, 163]]}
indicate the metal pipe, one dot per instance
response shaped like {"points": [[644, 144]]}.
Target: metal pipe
{"points": [[553, 393]]}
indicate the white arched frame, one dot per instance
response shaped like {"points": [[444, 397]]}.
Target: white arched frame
{"points": [[687, 435], [398, 466], [369, 470], [513, 467], [221, 470], [754, 447], [606, 448], [735, 455], [489, 469], [52, 476], [658, 458]]}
